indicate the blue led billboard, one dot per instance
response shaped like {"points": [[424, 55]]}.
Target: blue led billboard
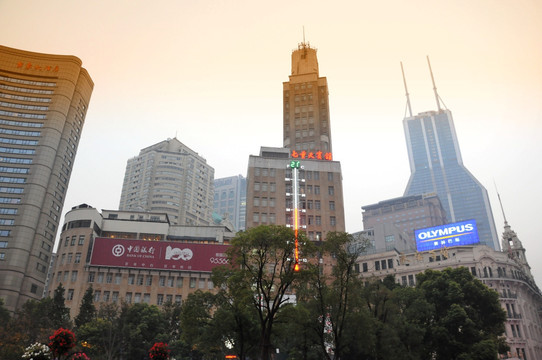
{"points": [[459, 233]]}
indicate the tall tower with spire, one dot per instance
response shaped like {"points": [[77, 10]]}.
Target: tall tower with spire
{"points": [[437, 167], [306, 107]]}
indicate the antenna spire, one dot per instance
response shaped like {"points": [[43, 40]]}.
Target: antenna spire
{"points": [[406, 91], [434, 86], [500, 202]]}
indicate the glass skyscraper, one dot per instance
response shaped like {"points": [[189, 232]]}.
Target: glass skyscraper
{"points": [[437, 167]]}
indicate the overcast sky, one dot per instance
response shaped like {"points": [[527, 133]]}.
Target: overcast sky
{"points": [[211, 72]]}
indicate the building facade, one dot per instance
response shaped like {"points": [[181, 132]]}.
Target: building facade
{"points": [[407, 213], [507, 272], [306, 124], [43, 103], [230, 200], [169, 177], [134, 257]]}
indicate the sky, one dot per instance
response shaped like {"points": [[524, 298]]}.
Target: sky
{"points": [[210, 73]]}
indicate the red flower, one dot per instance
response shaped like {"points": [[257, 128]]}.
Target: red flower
{"points": [[159, 351], [61, 342]]}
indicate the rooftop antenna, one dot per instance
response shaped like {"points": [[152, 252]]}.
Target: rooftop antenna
{"points": [[434, 86], [406, 91], [500, 202]]}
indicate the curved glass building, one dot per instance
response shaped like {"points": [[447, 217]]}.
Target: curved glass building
{"points": [[43, 103]]}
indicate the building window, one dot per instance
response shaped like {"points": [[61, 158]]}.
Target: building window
{"points": [[169, 298], [128, 297], [317, 204], [316, 175], [178, 299], [3, 244], [390, 263], [146, 298], [139, 280], [160, 299], [365, 267], [162, 281], [77, 258], [91, 276], [131, 279], [332, 205], [118, 279], [106, 296], [192, 283], [100, 278], [72, 243], [316, 190], [81, 239], [115, 297], [331, 190], [70, 294], [67, 241], [69, 260], [333, 221], [318, 220], [330, 176], [411, 280], [97, 295], [148, 280], [377, 265], [170, 281], [137, 298], [109, 278], [74, 276], [179, 282]]}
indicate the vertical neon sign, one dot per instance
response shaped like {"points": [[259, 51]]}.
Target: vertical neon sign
{"points": [[295, 165]]}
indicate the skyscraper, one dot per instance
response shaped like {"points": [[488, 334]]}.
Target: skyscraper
{"points": [[306, 106], [43, 103], [436, 166], [169, 177], [231, 199], [307, 139]]}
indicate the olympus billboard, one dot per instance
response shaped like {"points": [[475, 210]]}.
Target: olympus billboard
{"points": [[459, 233]]}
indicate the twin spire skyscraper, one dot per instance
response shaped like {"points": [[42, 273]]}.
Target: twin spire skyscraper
{"points": [[437, 167]]}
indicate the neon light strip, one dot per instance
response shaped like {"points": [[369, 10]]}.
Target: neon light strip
{"points": [[296, 217]]}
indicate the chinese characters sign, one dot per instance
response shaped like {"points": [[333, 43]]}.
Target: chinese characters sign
{"points": [[161, 255], [30, 66], [316, 155]]}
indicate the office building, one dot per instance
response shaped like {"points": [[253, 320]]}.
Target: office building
{"points": [[134, 256], [43, 103], [407, 213], [169, 177], [437, 167], [230, 200], [306, 139], [268, 200]]}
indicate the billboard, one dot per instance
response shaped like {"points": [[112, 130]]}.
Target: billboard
{"points": [[459, 233], [159, 255]]}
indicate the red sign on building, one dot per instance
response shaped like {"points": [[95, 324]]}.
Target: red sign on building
{"points": [[160, 255]]}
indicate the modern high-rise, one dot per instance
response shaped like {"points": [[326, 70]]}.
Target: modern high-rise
{"points": [[437, 167], [231, 200], [43, 103], [307, 139], [169, 177]]}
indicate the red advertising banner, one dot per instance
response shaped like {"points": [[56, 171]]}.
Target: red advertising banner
{"points": [[160, 255]]}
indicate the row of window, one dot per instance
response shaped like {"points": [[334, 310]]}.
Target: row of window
{"points": [[23, 106], [27, 82], [23, 115], [19, 132], [11, 160], [24, 98], [17, 151], [73, 240], [13, 170], [8, 200], [25, 90], [20, 123]]}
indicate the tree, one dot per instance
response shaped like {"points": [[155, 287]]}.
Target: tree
{"points": [[262, 259], [60, 314], [333, 298], [140, 324], [101, 335], [468, 319], [87, 310]]}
